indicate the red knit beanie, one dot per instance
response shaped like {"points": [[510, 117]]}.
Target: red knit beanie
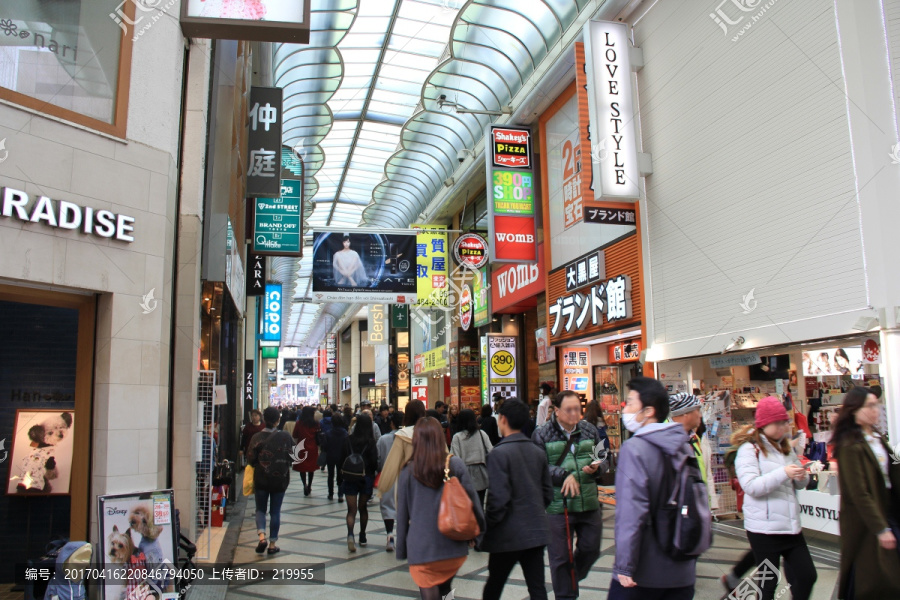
{"points": [[770, 410]]}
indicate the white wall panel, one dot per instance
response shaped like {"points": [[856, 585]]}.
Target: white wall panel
{"points": [[753, 184]]}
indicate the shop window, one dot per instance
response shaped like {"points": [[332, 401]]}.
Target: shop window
{"points": [[69, 59], [45, 413]]}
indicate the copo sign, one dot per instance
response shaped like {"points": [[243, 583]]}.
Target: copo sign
{"points": [[470, 250], [272, 313]]}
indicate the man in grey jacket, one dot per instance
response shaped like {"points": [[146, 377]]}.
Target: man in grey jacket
{"points": [[642, 570], [519, 492]]}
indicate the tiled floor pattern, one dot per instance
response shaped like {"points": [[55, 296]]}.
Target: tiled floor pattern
{"points": [[313, 531]]}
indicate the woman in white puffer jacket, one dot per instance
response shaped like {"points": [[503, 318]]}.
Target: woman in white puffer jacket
{"points": [[770, 473]]}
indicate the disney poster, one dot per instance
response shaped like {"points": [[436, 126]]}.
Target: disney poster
{"points": [[41, 455], [138, 538]]}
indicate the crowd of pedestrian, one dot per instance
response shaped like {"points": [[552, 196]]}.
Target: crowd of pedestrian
{"points": [[527, 479]]}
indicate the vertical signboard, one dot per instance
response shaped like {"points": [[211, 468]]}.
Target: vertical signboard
{"points": [[511, 199], [271, 329], [431, 265], [481, 299], [277, 222], [610, 94], [378, 327], [331, 353], [256, 273], [248, 385], [264, 141], [399, 316], [485, 386], [576, 369], [501, 362]]}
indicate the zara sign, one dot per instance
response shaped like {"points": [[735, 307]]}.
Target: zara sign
{"points": [[66, 215]]}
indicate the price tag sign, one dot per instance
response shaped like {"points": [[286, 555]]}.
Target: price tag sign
{"points": [[162, 511]]}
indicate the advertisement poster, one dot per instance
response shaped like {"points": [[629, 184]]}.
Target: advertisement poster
{"points": [[41, 454], [431, 265], [137, 534], [501, 359], [576, 369], [364, 267], [299, 367], [545, 352], [573, 207], [833, 361], [481, 299]]}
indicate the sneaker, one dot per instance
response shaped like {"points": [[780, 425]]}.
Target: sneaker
{"points": [[390, 544], [730, 582], [351, 543], [362, 538]]}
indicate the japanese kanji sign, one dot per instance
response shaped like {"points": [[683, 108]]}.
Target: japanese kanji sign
{"points": [[576, 368], [431, 265], [264, 143], [609, 215], [511, 220], [625, 352], [585, 270], [576, 311], [573, 205]]}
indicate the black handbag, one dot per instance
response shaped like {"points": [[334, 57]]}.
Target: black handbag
{"points": [[223, 474]]}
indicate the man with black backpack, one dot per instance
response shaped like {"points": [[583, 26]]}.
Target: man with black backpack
{"points": [[269, 454], [663, 522]]}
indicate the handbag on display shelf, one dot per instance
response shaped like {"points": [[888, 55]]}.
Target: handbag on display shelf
{"points": [[456, 516]]}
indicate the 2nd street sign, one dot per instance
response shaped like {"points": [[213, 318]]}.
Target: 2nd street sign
{"points": [[277, 227]]}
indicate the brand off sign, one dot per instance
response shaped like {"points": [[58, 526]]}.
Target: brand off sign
{"points": [[514, 284]]}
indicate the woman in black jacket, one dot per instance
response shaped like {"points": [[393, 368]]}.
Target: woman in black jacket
{"points": [[358, 488], [335, 439], [488, 424]]}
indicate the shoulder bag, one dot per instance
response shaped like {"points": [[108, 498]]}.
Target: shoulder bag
{"points": [[456, 517]]}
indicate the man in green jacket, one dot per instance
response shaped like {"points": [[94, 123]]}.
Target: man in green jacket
{"points": [[573, 447]]}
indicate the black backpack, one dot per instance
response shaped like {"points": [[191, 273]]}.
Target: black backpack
{"points": [[682, 521], [354, 467], [272, 468]]}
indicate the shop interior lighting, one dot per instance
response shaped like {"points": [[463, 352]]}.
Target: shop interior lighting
{"points": [[738, 341]]}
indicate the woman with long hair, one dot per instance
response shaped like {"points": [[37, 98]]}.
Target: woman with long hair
{"points": [[306, 452], [770, 473], [593, 414], [358, 490], [870, 482], [335, 438], [434, 559], [473, 445], [488, 424]]}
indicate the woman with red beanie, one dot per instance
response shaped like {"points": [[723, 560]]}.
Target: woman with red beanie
{"points": [[770, 473]]}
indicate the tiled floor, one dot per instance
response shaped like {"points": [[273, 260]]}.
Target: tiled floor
{"points": [[313, 532]]}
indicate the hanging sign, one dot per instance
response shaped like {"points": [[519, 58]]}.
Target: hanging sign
{"points": [[871, 351], [433, 360], [298, 367], [501, 359], [277, 222], [399, 316], [264, 142], [465, 307], [611, 102], [510, 179], [470, 250], [256, 273], [576, 369], [257, 21], [585, 270], [576, 311], [331, 353], [734, 360], [625, 352], [544, 351], [378, 331], [271, 331], [481, 299], [248, 384], [431, 265], [609, 213]]}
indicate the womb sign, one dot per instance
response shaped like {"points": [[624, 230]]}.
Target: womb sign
{"points": [[611, 104]]}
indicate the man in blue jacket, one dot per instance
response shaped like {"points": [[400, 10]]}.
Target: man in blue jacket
{"points": [[642, 570], [518, 494]]}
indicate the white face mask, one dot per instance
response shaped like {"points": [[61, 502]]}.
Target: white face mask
{"points": [[630, 421]]}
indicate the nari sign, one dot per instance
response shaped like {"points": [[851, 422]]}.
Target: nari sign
{"points": [[510, 177], [611, 102]]}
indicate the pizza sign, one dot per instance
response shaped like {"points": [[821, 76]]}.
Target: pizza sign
{"points": [[511, 147], [471, 251]]}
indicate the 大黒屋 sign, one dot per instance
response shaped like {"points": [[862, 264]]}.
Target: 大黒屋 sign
{"points": [[585, 270], [431, 265]]}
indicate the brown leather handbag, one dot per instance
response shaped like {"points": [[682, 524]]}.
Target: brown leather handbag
{"points": [[456, 518]]}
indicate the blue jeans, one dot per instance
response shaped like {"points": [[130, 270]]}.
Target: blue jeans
{"points": [[262, 501]]}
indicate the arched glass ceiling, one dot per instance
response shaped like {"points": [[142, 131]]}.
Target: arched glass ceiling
{"points": [[362, 108]]}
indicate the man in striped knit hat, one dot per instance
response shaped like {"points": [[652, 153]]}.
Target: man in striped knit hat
{"points": [[685, 409]]}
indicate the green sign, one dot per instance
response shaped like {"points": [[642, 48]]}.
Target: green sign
{"points": [[269, 351], [485, 388], [399, 316], [513, 193], [481, 298], [277, 224]]}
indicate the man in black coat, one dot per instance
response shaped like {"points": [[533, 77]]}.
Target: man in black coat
{"points": [[519, 492]]}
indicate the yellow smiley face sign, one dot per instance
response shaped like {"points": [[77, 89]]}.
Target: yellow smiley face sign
{"points": [[503, 363]]}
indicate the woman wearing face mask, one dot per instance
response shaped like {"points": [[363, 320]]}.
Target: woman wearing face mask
{"points": [[770, 473]]}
